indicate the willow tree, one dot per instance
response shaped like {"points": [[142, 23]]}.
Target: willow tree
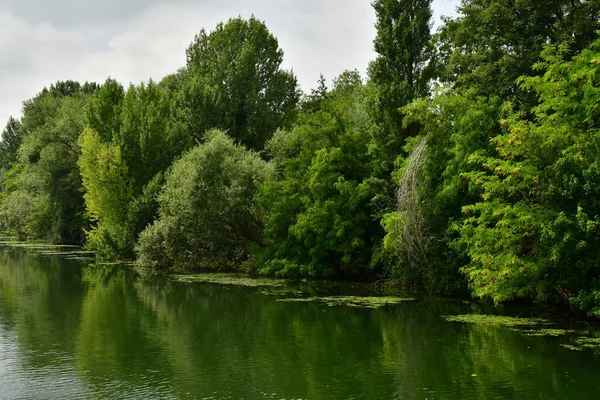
{"points": [[208, 217], [401, 73]]}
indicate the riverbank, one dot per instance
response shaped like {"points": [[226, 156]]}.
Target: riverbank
{"points": [[346, 288]]}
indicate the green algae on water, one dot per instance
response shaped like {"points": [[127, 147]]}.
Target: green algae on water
{"points": [[532, 327], [12, 242], [351, 301], [496, 320], [571, 347], [227, 279], [582, 343], [546, 332], [591, 343], [528, 327], [120, 263], [282, 291], [66, 251]]}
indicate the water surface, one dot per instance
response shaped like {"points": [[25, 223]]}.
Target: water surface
{"points": [[69, 331]]}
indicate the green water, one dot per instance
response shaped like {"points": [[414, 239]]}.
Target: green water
{"points": [[67, 331]]}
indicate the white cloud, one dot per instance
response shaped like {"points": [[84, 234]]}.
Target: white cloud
{"points": [[317, 36], [31, 56], [73, 13]]}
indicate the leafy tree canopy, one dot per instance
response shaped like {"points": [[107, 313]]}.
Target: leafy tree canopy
{"points": [[207, 215], [237, 84]]}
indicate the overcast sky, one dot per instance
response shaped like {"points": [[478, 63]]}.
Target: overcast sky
{"points": [[43, 41]]}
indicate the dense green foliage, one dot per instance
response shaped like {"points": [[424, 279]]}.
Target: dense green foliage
{"points": [[235, 83], [466, 162], [534, 230], [320, 204], [500, 200], [42, 195], [491, 43], [401, 72], [207, 215], [130, 141], [9, 146]]}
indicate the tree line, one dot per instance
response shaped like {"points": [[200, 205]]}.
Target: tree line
{"points": [[466, 161]]}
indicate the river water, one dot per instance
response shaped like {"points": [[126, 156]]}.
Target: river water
{"points": [[69, 331]]}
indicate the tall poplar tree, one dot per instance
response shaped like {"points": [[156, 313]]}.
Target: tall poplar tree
{"points": [[401, 70], [9, 145]]}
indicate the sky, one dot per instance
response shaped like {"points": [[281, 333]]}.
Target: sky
{"points": [[43, 41]]}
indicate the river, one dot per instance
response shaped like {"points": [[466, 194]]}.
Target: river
{"points": [[70, 331]]}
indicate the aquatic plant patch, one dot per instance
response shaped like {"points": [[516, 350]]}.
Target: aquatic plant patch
{"points": [[70, 252], [585, 343], [228, 279], [576, 340], [496, 320], [351, 301], [546, 332]]}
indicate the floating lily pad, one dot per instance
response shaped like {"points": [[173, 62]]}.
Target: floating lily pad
{"points": [[351, 301], [227, 279]]}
